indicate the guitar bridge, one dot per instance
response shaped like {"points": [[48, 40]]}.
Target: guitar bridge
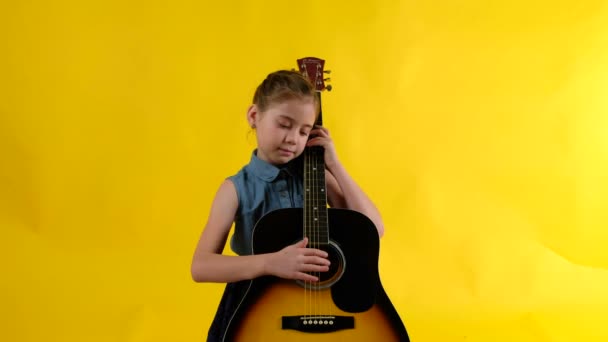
{"points": [[318, 324]]}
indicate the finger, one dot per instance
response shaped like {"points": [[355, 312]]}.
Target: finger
{"points": [[306, 277], [314, 268], [302, 243], [317, 142], [316, 133], [322, 130], [316, 262], [313, 260], [315, 252]]}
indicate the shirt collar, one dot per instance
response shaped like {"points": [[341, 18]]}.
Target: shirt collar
{"points": [[267, 171]]}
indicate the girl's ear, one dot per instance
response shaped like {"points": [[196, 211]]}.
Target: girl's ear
{"points": [[252, 115]]}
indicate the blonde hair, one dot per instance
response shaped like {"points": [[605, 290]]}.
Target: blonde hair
{"points": [[284, 85]]}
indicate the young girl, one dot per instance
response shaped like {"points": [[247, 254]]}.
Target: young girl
{"points": [[283, 114]]}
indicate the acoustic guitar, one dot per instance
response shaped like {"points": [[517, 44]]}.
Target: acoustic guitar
{"points": [[348, 303]]}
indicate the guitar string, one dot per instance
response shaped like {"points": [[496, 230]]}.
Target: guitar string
{"points": [[319, 191], [321, 208], [315, 221], [306, 217], [320, 227], [321, 219], [314, 234], [325, 222], [307, 232], [311, 237], [317, 232]]}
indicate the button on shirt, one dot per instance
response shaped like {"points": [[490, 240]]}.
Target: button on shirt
{"points": [[262, 187]]}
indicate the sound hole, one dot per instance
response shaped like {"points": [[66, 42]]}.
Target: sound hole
{"points": [[335, 272]]}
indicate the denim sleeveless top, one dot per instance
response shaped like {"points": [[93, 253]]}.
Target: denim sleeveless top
{"points": [[262, 187]]}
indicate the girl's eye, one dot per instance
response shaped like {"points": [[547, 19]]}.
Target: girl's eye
{"points": [[304, 134], [283, 125]]}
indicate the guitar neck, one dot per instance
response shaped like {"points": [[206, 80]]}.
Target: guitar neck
{"points": [[315, 196]]}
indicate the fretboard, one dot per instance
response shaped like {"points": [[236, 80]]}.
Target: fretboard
{"points": [[315, 198]]}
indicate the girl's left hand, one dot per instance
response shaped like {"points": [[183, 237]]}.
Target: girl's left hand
{"points": [[322, 138]]}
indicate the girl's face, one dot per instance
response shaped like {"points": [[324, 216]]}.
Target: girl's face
{"points": [[282, 130]]}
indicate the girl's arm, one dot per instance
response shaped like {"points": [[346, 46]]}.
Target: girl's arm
{"points": [[342, 190], [209, 265]]}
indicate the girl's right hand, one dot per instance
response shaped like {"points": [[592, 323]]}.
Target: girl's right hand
{"points": [[293, 261]]}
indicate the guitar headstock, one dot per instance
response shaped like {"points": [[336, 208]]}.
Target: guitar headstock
{"points": [[312, 68]]}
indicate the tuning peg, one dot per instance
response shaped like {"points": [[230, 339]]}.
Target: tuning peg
{"points": [[327, 79], [329, 87], [327, 71]]}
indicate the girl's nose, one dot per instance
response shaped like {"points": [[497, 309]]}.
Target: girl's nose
{"points": [[291, 137]]}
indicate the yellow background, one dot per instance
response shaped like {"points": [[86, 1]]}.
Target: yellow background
{"points": [[480, 129]]}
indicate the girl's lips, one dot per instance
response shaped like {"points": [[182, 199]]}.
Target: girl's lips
{"points": [[286, 152]]}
